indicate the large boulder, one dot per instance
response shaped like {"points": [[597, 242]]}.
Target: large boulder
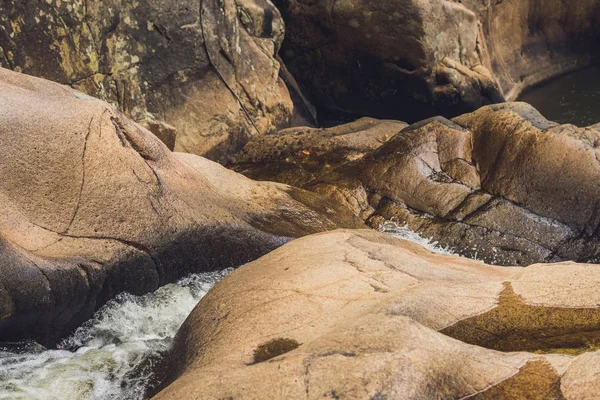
{"points": [[501, 184], [208, 68], [92, 204], [413, 59], [362, 315]]}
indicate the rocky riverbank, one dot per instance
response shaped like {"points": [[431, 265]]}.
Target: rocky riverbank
{"points": [[93, 205], [148, 140], [361, 315]]}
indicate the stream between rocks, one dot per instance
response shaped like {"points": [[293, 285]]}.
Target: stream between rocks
{"points": [[103, 358], [99, 360]]}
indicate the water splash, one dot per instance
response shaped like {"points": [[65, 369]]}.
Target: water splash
{"points": [[403, 232], [97, 361]]}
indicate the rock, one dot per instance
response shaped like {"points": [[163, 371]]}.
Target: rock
{"points": [[292, 154], [501, 184], [165, 132], [207, 68], [529, 41], [92, 205], [362, 315], [410, 60]]}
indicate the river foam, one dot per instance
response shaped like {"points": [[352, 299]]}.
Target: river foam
{"points": [[403, 232], [97, 361]]}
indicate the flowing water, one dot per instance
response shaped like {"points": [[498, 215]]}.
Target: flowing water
{"points": [[569, 99], [402, 232], [99, 360]]}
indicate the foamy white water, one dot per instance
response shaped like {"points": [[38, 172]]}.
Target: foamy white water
{"points": [[402, 232], [97, 361]]}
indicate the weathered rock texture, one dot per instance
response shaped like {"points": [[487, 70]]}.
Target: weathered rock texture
{"points": [[208, 67], [298, 155], [411, 59], [92, 204], [501, 184], [361, 315]]}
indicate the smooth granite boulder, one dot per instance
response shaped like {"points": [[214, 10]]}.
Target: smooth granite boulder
{"points": [[362, 315], [92, 204]]}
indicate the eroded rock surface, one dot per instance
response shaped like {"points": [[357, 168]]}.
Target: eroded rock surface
{"points": [[362, 315], [92, 204], [501, 184], [410, 59], [293, 154], [208, 68]]}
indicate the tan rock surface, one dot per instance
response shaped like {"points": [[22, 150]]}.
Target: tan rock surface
{"points": [[295, 152], [501, 184], [208, 68], [93, 204], [529, 41], [362, 315]]}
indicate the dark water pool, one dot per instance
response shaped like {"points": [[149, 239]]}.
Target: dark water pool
{"points": [[572, 99]]}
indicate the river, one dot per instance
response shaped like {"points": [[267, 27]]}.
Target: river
{"points": [[97, 360], [569, 99]]}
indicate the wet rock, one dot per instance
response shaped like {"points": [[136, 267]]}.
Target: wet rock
{"points": [[208, 68], [374, 317], [501, 184], [411, 60], [92, 204]]}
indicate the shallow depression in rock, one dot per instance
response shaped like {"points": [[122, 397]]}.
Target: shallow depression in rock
{"points": [[98, 360], [569, 99], [515, 325]]}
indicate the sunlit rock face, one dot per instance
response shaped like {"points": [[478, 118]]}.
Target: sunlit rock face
{"points": [[412, 59], [92, 205], [361, 315], [501, 184], [208, 68], [299, 155]]}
